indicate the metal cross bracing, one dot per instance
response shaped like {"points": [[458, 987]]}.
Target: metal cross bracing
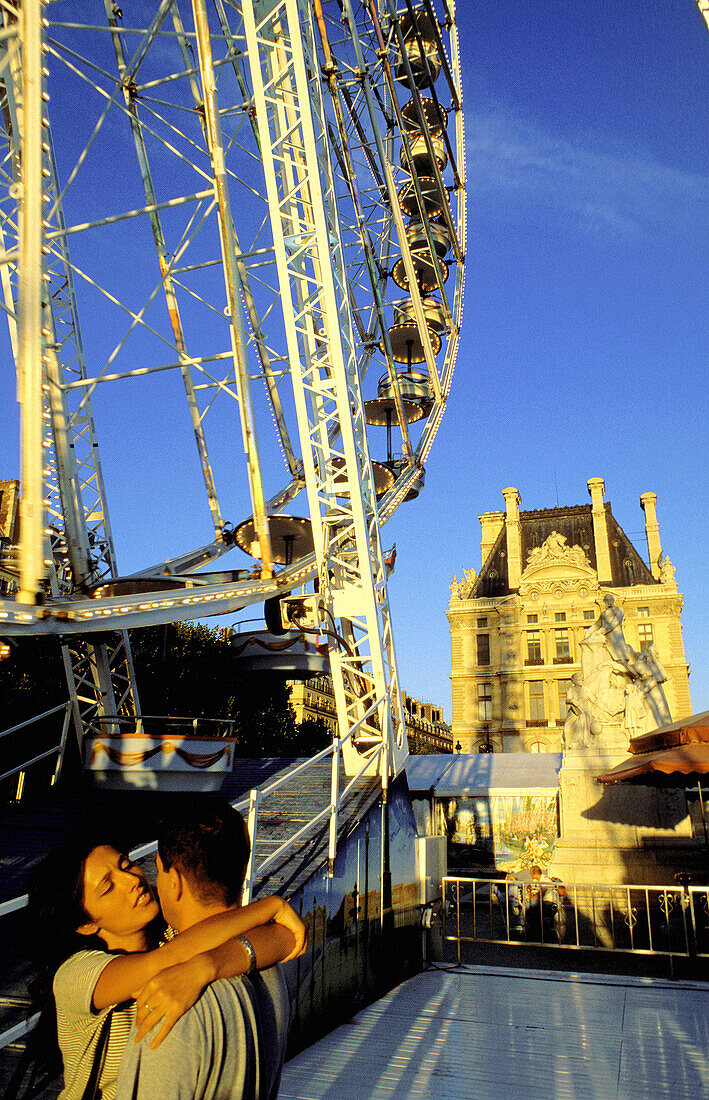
{"points": [[73, 547], [161, 227], [139, 96]]}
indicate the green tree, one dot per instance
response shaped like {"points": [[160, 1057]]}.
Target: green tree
{"points": [[419, 747], [188, 670]]}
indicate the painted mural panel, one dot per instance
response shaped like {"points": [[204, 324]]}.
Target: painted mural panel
{"points": [[517, 830]]}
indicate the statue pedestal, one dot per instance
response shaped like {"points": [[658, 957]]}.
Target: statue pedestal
{"points": [[623, 833]]}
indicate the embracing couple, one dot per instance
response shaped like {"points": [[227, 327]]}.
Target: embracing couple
{"points": [[180, 999]]}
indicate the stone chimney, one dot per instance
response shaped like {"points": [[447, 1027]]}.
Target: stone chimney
{"points": [[648, 503], [514, 537], [596, 489], [491, 524]]}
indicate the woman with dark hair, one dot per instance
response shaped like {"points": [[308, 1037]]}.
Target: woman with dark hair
{"points": [[97, 938]]}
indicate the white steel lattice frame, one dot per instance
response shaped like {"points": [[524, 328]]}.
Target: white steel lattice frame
{"points": [[350, 155], [65, 529], [356, 84], [324, 370]]}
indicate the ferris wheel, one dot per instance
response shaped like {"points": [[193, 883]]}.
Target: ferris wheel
{"points": [[233, 237]]}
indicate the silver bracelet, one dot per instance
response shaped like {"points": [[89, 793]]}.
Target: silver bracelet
{"points": [[248, 946]]}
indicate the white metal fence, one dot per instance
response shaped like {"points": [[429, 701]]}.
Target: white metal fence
{"points": [[652, 920]]}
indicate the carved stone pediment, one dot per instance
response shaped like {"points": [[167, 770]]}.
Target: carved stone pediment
{"points": [[554, 562]]}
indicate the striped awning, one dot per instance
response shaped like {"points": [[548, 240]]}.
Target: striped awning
{"points": [[678, 766]]}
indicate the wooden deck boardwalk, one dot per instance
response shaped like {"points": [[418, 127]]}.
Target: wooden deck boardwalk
{"points": [[472, 1033]]}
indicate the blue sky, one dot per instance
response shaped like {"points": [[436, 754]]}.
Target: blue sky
{"points": [[585, 327]]}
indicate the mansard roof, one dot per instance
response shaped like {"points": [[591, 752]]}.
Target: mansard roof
{"points": [[576, 524]]}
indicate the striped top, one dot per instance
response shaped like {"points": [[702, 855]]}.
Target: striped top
{"points": [[79, 1026]]}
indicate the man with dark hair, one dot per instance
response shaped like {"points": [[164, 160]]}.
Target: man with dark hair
{"points": [[231, 1044], [211, 846]]}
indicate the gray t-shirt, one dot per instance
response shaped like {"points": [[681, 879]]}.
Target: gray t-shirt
{"points": [[229, 1046]]}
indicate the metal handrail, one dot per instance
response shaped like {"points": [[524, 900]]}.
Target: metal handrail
{"points": [[58, 748], [167, 719], [252, 804], [701, 933], [37, 718], [18, 1030], [292, 774], [13, 904], [336, 799], [292, 840], [373, 756], [667, 920]]}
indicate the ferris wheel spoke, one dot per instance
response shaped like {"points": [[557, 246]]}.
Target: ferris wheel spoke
{"points": [[375, 281], [231, 279], [240, 265]]}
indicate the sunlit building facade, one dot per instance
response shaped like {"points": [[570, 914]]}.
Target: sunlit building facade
{"points": [[516, 626], [425, 728], [9, 531]]}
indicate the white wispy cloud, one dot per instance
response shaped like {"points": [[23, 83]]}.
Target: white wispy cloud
{"points": [[598, 187]]}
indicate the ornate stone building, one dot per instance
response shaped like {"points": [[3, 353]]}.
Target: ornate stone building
{"points": [[9, 531], [521, 634], [315, 698]]}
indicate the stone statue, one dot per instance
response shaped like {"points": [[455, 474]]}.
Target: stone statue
{"points": [[594, 655], [652, 661], [579, 720], [652, 676], [667, 570], [601, 675], [463, 589], [634, 717], [619, 685], [555, 549], [610, 625]]}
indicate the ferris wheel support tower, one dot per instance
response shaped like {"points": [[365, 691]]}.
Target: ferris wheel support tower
{"points": [[319, 330]]}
